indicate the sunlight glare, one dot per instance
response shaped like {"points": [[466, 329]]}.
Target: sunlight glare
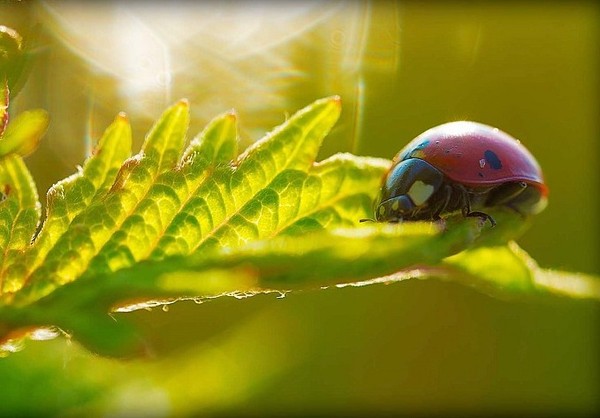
{"points": [[249, 57]]}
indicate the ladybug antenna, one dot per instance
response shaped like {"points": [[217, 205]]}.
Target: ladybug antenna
{"points": [[366, 220]]}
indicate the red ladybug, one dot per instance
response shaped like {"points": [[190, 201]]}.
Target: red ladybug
{"points": [[463, 166]]}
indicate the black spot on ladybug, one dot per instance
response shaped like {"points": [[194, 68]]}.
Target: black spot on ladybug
{"points": [[492, 159], [480, 174]]}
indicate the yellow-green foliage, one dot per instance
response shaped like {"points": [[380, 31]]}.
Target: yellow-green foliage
{"points": [[203, 221]]}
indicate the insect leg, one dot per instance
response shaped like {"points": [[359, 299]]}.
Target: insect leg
{"points": [[466, 208]]}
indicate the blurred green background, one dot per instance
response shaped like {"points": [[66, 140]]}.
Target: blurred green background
{"points": [[412, 348]]}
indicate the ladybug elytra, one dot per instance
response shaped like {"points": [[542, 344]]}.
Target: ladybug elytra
{"points": [[464, 166]]}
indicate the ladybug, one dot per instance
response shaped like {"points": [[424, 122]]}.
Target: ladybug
{"points": [[466, 166]]}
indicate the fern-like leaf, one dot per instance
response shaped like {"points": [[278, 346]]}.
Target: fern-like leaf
{"points": [[167, 223]]}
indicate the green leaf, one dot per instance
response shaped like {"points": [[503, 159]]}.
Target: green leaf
{"points": [[4, 99], [509, 271], [24, 133], [127, 232], [159, 204], [15, 54], [19, 214], [311, 261]]}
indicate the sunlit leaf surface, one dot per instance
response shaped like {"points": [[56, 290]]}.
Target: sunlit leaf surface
{"points": [[171, 223], [24, 132]]}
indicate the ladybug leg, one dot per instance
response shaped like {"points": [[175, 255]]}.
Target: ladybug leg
{"points": [[483, 216], [506, 193], [466, 208], [465, 200], [447, 191]]}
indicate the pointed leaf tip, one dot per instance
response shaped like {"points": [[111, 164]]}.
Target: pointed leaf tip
{"points": [[122, 117], [334, 100], [164, 142]]}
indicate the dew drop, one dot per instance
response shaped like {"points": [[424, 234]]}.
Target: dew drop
{"points": [[43, 334], [11, 346]]}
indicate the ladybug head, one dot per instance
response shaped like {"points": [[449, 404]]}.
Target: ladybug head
{"points": [[407, 190]]}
